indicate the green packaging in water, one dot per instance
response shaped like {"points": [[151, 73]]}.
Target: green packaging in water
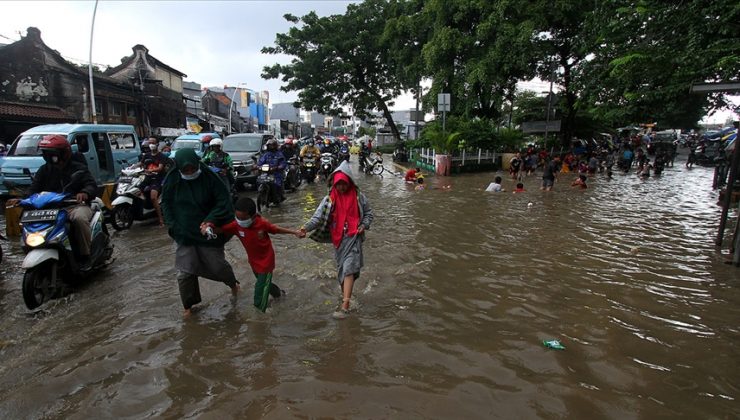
{"points": [[553, 344]]}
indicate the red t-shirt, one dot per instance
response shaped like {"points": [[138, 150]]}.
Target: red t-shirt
{"points": [[256, 242], [410, 175]]}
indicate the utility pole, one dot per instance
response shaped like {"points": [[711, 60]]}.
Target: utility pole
{"points": [[416, 117], [549, 100]]}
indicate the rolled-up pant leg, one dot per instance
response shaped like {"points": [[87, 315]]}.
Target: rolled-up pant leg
{"points": [[189, 289], [79, 217]]}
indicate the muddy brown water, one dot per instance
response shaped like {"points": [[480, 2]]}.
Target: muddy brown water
{"points": [[459, 290]]}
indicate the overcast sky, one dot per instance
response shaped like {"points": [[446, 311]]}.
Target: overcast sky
{"points": [[213, 42]]}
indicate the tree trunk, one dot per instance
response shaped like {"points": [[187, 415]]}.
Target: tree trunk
{"points": [[389, 119]]}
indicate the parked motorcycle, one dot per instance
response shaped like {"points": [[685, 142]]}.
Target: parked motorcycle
{"points": [[132, 201], [308, 170], [373, 165], [326, 167], [400, 154], [51, 264], [293, 178], [267, 191]]}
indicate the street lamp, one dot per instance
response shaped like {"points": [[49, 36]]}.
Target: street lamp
{"points": [[231, 105], [89, 67]]}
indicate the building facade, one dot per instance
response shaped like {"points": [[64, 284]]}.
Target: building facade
{"points": [[38, 86]]}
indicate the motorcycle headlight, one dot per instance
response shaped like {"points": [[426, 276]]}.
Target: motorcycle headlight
{"points": [[36, 238]]}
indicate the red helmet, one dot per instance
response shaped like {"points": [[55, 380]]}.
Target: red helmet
{"points": [[289, 140], [56, 144], [206, 138]]}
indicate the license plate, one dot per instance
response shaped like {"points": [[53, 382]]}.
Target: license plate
{"points": [[35, 216], [125, 179]]}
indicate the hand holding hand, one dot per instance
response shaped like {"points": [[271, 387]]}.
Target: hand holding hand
{"points": [[300, 233], [81, 197]]}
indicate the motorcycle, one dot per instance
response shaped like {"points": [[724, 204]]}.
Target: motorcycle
{"points": [[132, 202], [374, 165], [308, 170], [51, 265], [400, 155], [293, 179], [326, 166], [266, 188], [226, 179]]}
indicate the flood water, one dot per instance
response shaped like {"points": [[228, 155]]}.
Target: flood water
{"points": [[459, 291]]}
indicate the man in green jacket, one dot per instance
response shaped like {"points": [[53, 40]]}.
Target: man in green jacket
{"points": [[192, 196]]}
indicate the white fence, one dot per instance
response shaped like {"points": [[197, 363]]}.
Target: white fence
{"points": [[476, 156]]}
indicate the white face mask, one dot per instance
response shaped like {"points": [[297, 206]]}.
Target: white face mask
{"points": [[190, 177], [153, 147], [245, 223]]}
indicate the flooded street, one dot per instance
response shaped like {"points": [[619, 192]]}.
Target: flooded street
{"points": [[459, 290]]}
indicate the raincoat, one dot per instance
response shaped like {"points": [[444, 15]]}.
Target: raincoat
{"points": [[187, 204]]}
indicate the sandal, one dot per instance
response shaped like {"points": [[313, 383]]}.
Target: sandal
{"points": [[341, 312]]}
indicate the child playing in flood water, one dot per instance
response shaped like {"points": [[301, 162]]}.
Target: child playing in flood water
{"points": [[495, 186], [253, 231], [580, 182], [519, 188]]}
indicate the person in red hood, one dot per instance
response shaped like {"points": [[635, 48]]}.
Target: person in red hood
{"points": [[341, 219]]}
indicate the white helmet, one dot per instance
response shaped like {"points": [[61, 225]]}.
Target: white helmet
{"points": [[216, 142]]}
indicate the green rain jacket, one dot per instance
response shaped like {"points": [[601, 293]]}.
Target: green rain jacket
{"points": [[187, 204]]}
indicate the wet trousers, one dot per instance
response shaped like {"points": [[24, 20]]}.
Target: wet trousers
{"points": [[263, 289], [200, 261], [79, 218]]}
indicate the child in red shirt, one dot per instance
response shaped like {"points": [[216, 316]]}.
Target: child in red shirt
{"points": [[253, 231]]}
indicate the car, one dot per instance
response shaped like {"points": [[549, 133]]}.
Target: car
{"points": [[192, 141], [244, 148], [105, 149]]}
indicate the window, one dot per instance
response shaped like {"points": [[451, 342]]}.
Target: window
{"points": [[98, 106], [131, 110], [121, 141], [27, 145], [83, 146], [116, 108]]}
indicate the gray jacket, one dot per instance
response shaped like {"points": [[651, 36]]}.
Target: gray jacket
{"points": [[319, 222]]}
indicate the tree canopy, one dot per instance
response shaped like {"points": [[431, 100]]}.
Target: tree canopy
{"points": [[614, 62]]}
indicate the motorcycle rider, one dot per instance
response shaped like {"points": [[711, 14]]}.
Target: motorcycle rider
{"points": [[217, 158], [327, 147], [364, 153], [288, 148], [153, 163], [276, 160], [57, 173], [311, 148]]}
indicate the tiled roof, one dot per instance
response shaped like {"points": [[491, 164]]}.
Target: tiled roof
{"points": [[33, 111]]}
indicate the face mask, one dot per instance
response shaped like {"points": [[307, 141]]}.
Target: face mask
{"points": [[245, 223], [152, 147], [166, 154], [51, 159], [190, 177]]}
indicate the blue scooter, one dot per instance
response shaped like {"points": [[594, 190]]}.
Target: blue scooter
{"points": [[51, 265]]}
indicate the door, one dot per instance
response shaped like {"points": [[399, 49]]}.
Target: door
{"points": [[106, 169], [85, 153]]}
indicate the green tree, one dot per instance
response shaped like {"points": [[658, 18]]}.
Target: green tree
{"points": [[649, 54], [477, 50], [340, 61]]}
